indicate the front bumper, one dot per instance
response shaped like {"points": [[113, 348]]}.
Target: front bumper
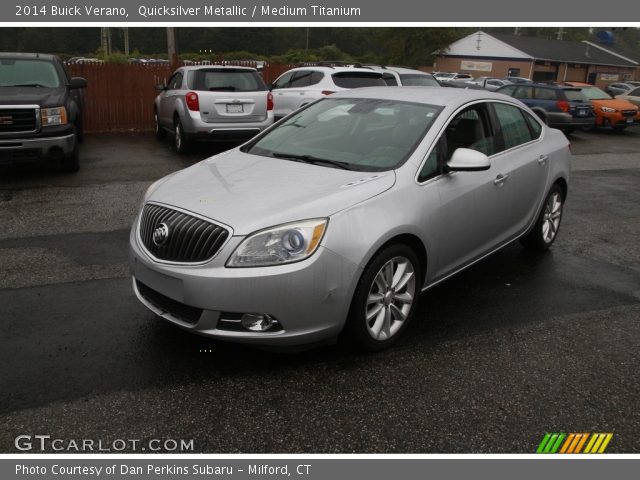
{"points": [[614, 119], [25, 150], [310, 299], [197, 129]]}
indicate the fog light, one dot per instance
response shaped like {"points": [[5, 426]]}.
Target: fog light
{"points": [[257, 322]]}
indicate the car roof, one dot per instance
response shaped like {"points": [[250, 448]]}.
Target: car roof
{"points": [[336, 69], [31, 56], [427, 95], [579, 84], [217, 67]]}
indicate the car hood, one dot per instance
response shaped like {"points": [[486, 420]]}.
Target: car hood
{"points": [[45, 97], [251, 192], [617, 103]]}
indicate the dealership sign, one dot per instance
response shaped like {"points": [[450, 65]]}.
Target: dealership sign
{"points": [[476, 66]]}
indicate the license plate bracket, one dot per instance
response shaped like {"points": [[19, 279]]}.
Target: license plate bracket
{"points": [[235, 108]]}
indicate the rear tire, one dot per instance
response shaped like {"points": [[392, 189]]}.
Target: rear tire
{"points": [[385, 299], [545, 231], [179, 138]]}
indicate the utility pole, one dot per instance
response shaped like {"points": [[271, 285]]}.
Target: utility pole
{"points": [[126, 41], [560, 33], [105, 40], [171, 46]]}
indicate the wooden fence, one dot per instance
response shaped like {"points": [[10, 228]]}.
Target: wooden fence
{"points": [[119, 97]]}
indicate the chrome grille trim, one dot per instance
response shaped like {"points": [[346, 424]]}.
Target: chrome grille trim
{"points": [[24, 119], [192, 239]]}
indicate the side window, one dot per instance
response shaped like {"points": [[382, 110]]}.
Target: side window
{"points": [[513, 125], [634, 93], [534, 125], [389, 79], [301, 78], [545, 94], [316, 77], [282, 81], [175, 81], [508, 90], [431, 167], [524, 93], [470, 129]]}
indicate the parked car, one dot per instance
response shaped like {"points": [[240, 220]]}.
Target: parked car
{"points": [[614, 89], [632, 97], [40, 110], [518, 79], [404, 77], [450, 76], [490, 83], [558, 106], [613, 112], [214, 103], [300, 86], [337, 218]]}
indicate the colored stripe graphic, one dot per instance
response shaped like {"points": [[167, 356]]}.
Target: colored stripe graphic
{"points": [[574, 443]]}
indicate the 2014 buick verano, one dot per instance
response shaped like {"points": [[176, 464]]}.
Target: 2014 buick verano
{"points": [[336, 218]]}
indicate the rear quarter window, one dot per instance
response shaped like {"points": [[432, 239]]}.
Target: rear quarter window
{"points": [[545, 94], [358, 79]]}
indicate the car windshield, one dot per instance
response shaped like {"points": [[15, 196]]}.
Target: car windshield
{"points": [[574, 95], [358, 79], [350, 133], [226, 80], [594, 93], [417, 80], [28, 73]]}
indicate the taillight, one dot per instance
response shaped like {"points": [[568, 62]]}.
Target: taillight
{"points": [[327, 92], [193, 103], [269, 101], [563, 105]]}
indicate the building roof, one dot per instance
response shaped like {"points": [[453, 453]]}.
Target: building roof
{"points": [[563, 50], [502, 45], [616, 50]]}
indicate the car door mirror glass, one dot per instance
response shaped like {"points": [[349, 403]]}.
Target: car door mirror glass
{"points": [[467, 160]]}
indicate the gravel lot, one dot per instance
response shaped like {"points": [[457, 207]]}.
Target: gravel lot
{"points": [[514, 347]]}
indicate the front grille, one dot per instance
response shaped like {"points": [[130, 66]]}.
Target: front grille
{"points": [[186, 238], [169, 305], [629, 113], [16, 120]]}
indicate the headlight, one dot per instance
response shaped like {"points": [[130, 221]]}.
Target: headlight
{"points": [[279, 245], [607, 109], [53, 116]]}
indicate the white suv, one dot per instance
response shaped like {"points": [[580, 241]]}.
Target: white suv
{"points": [[299, 86], [404, 77]]}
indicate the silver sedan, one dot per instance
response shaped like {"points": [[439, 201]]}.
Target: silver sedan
{"points": [[336, 218]]}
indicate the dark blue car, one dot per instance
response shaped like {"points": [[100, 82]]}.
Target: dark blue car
{"points": [[558, 106]]}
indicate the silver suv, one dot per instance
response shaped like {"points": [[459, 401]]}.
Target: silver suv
{"points": [[404, 77], [301, 86], [219, 103]]}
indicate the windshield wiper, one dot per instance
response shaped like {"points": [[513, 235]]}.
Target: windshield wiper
{"points": [[27, 85], [227, 88], [313, 160]]}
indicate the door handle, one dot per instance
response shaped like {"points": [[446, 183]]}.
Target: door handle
{"points": [[500, 179], [542, 159]]}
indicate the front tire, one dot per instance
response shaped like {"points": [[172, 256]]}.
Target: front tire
{"points": [[385, 299], [545, 231], [157, 129], [71, 164]]}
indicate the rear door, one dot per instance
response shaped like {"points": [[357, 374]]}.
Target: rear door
{"points": [[525, 162], [281, 97], [229, 95]]}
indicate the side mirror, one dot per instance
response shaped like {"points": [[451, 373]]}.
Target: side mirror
{"points": [[467, 160], [161, 87], [77, 82], [270, 86]]}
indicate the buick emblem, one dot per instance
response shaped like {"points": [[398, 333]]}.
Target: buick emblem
{"points": [[161, 234]]}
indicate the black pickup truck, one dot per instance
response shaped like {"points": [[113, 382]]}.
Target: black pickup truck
{"points": [[40, 110]]}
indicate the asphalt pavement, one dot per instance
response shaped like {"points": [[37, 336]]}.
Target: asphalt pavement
{"points": [[516, 346]]}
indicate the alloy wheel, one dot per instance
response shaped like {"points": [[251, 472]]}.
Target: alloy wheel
{"points": [[390, 298], [552, 215]]}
